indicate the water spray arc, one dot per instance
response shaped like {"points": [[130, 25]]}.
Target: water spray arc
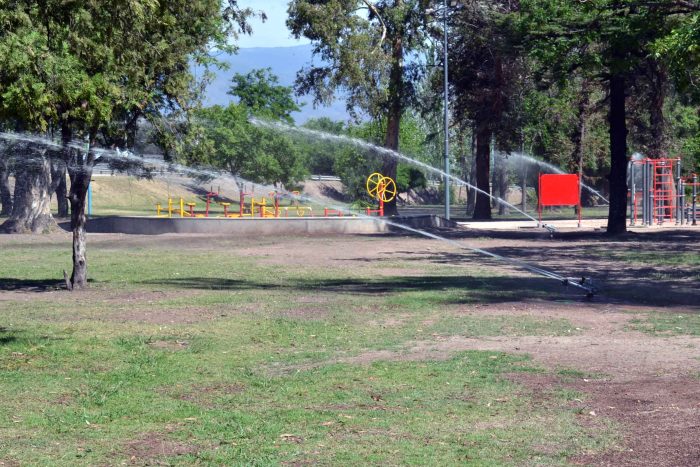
{"points": [[386, 152], [117, 155], [524, 158]]}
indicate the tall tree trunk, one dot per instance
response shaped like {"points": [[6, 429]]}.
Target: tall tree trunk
{"points": [[471, 193], [576, 162], [62, 196], [659, 86], [31, 209], [80, 172], [617, 216], [59, 186], [393, 125], [5, 192], [482, 208], [502, 184], [79, 183]]}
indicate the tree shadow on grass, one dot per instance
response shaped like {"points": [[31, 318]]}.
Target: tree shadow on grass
{"points": [[6, 336], [25, 338], [446, 289], [9, 284]]}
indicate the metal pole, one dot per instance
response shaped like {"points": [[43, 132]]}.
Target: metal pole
{"points": [[679, 196], [89, 200], [650, 194], [645, 194], [447, 114], [695, 198], [681, 207], [633, 195]]}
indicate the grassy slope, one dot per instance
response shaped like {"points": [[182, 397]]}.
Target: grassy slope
{"points": [[124, 195], [257, 376]]}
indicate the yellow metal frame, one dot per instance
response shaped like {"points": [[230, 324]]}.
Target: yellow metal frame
{"points": [[373, 182], [381, 188]]}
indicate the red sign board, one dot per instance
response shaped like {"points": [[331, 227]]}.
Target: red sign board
{"points": [[559, 190]]}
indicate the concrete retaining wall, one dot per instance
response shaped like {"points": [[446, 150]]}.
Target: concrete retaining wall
{"points": [[297, 226]]}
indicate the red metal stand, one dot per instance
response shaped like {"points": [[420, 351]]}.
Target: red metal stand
{"points": [[210, 196], [379, 211], [332, 212]]}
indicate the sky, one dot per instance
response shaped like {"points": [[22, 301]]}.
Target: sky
{"points": [[273, 32]]}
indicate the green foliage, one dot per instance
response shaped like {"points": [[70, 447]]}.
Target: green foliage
{"points": [[260, 92], [86, 65], [684, 121], [226, 139], [357, 41], [354, 166], [230, 142], [409, 178], [321, 156], [680, 49]]}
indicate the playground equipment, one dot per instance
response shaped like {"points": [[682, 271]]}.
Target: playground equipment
{"points": [[264, 207], [657, 191], [181, 211], [296, 206], [691, 211], [327, 212], [559, 190], [381, 188]]}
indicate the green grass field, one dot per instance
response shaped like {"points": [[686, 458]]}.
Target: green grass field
{"points": [[200, 354]]}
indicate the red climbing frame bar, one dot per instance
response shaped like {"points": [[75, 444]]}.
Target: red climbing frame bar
{"points": [[559, 190], [332, 212]]}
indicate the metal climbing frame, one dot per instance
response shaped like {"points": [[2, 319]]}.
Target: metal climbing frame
{"points": [[656, 191], [691, 211]]}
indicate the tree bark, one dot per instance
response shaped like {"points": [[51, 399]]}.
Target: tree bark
{"points": [[471, 193], [80, 172], [482, 208], [59, 187], [393, 125], [659, 84], [80, 180], [62, 196], [502, 179], [617, 216], [5, 192], [31, 208], [576, 163]]}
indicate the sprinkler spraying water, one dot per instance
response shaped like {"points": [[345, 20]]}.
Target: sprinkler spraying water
{"points": [[584, 284], [514, 157], [387, 152]]}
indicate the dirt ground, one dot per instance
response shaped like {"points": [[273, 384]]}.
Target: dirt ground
{"points": [[648, 385]]}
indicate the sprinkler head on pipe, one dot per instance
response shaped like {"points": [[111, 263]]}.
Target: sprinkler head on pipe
{"points": [[585, 283]]}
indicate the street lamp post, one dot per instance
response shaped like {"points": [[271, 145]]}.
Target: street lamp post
{"points": [[447, 113]]}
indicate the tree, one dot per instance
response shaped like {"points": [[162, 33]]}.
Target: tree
{"points": [[90, 71], [5, 192], [246, 151], [485, 73], [364, 48], [611, 38], [321, 156], [260, 92], [250, 152]]}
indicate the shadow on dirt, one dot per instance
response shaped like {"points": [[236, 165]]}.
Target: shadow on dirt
{"points": [[446, 289]]}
